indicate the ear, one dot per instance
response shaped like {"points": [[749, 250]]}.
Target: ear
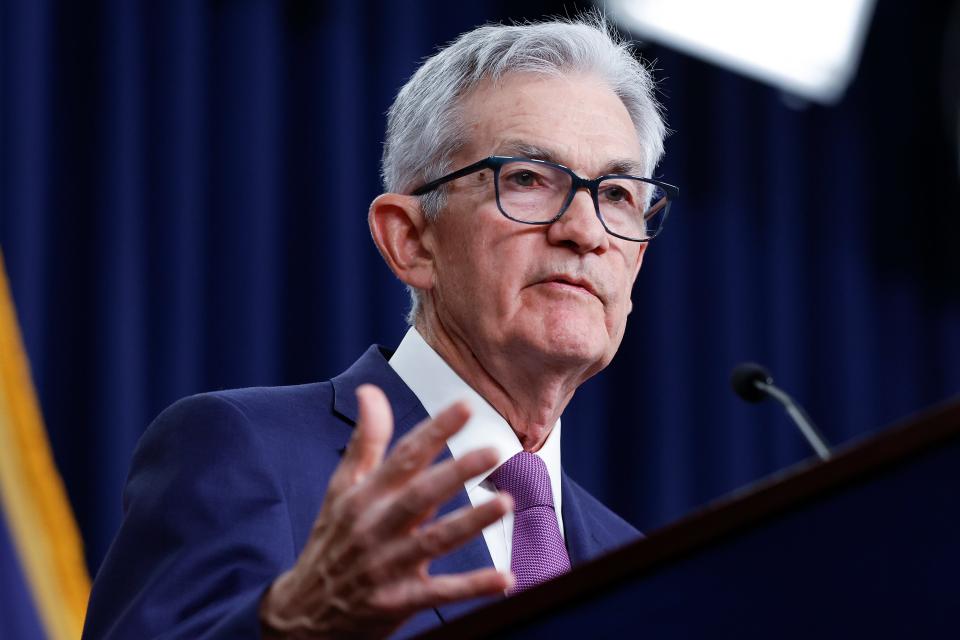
{"points": [[399, 228]]}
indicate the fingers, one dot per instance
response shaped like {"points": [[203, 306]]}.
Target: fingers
{"points": [[448, 533], [374, 428], [432, 487], [369, 441], [364, 566], [439, 590], [417, 449]]}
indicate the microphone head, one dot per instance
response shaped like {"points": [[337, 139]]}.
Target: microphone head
{"points": [[743, 378]]}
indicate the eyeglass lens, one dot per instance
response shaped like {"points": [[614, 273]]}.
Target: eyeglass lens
{"points": [[534, 192]]}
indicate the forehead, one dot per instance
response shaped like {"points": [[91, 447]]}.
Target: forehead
{"points": [[576, 118]]}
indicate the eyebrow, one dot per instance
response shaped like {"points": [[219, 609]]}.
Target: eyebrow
{"points": [[626, 166]]}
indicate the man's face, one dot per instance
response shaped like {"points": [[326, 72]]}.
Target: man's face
{"points": [[557, 295]]}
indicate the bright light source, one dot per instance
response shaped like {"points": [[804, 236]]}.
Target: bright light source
{"points": [[810, 48]]}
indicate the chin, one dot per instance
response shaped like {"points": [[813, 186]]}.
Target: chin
{"points": [[573, 340]]}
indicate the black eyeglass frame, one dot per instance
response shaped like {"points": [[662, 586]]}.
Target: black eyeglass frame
{"points": [[577, 183]]}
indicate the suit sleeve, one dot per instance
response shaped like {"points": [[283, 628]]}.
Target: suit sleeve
{"points": [[205, 530]]}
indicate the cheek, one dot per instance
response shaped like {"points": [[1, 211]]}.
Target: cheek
{"points": [[617, 318], [618, 310], [476, 286], [500, 265]]}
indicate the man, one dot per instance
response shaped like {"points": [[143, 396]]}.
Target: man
{"points": [[521, 272]]}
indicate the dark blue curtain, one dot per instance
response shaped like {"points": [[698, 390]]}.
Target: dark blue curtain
{"points": [[183, 191]]}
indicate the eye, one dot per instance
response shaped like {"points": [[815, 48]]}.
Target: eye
{"points": [[615, 193], [523, 178], [531, 177]]}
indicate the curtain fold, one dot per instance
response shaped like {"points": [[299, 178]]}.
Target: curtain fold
{"points": [[183, 197]]}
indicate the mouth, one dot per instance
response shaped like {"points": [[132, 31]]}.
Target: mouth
{"points": [[570, 283]]}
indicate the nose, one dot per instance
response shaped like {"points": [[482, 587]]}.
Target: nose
{"points": [[579, 228]]}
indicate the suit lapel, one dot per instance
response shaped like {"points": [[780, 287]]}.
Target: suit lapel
{"points": [[373, 368], [471, 556], [582, 542]]}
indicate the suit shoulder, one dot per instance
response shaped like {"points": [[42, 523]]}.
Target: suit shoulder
{"points": [[269, 427], [256, 401], [262, 407]]}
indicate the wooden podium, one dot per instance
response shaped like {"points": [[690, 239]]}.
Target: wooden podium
{"points": [[866, 545]]}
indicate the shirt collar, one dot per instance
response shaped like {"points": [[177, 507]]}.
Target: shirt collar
{"points": [[437, 386]]}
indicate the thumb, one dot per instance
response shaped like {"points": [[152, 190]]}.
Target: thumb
{"points": [[370, 439]]}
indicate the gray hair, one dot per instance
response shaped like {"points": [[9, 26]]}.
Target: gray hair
{"points": [[424, 128]]}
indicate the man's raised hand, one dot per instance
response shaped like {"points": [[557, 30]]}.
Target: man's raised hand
{"points": [[363, 570]]}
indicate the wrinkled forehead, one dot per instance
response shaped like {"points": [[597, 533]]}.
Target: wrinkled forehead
{"points": [[572, 119]]}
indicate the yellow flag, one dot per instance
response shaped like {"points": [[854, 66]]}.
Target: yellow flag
{"points": [[33, 501]]}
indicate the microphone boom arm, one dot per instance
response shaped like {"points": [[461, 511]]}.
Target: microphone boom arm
{"points": [[809, 431]]}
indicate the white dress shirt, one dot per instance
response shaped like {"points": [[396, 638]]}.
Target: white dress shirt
{"points": [[437, 386]]}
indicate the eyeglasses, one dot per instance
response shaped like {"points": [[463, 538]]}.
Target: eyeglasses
{"points": [[539, 192]]}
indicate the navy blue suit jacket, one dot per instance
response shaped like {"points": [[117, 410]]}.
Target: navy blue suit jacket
{"points": [[222, 493]]}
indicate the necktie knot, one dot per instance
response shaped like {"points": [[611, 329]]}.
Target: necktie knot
{"points": [[526, 479]]}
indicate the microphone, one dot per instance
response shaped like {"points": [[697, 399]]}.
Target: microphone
{"points": [[753, 383]]}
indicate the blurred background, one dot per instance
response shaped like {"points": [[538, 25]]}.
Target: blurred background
{"points": [[183, 198]]}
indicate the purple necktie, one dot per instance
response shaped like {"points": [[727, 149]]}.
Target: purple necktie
{"points": [[538, 550]]}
